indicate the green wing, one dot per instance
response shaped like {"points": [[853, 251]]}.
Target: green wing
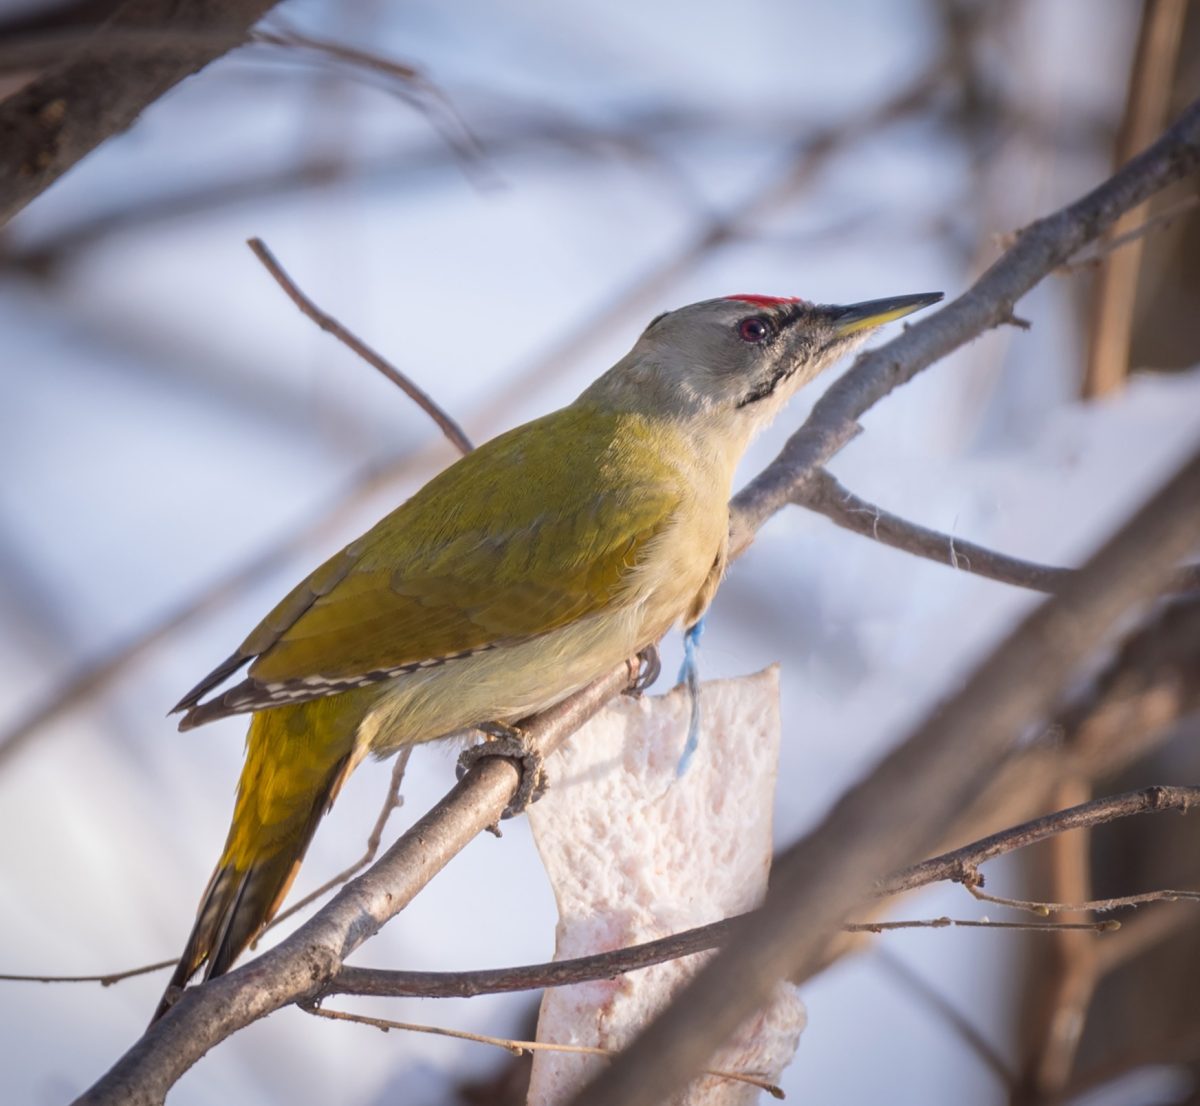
{"points": [[476, 559]]}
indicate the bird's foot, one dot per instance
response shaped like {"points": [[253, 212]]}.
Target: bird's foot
{"points": [[649, 667], [501, 740]]}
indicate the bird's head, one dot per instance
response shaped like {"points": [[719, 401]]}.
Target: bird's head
{"points": [[728, 365]]}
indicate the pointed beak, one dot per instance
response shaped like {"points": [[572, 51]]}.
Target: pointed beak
{"points": [[872, 313]]}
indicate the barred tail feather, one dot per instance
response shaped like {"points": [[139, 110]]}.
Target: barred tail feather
{"points": [[295, 765]]}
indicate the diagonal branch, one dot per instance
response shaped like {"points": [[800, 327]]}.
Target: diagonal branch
{"points": [[1040, 248], [300, 965], [377, 361], [70, 109]]}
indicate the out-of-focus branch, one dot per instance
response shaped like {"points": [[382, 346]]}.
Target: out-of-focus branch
{"points": [[953, 1017], [919, 787], [91, 677], [1146, 105], [67, 111]]}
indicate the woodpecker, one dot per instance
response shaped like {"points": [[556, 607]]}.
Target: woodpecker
{"points": [[524, 571]]}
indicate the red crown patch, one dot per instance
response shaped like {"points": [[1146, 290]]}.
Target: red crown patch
{"points": [[766, 301]]}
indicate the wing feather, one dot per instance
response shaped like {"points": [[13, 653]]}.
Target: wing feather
{"points": [[473, 561]]}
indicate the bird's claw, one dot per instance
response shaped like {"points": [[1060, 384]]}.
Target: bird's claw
{"points": [[649, 667], [509, 741]]}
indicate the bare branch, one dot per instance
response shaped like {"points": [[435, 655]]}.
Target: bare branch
{"points": [[1109, 926], [823, 494], [330, 325], [298, 968], [520, 1048], [1099, 905], [103, 980], [563, 973], [954, 865], [351, 980], [1040, 248]]}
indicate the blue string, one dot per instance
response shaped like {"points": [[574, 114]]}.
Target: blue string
{"points": [[689, 673]]}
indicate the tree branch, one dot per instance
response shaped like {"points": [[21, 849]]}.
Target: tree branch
{"points": [[380, 982], [1040, 248], [823, 494], [300, 965], [381, 364], [67, 111]]}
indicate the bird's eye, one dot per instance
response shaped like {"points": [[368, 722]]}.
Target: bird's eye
{"points": [[754, 329]]}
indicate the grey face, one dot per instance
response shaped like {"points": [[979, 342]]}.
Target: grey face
{"points": [[743, 351], [744, 354]]}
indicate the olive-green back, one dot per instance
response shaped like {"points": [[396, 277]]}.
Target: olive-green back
{"points": [[533, 530]]}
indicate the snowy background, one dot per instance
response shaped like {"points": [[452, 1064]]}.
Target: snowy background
{"points": [[168, 415]]}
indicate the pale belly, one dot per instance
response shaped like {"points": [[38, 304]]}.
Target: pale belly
{"points": [[512, 682]]}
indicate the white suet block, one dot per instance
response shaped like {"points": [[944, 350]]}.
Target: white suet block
{"points": [[635, 852]]}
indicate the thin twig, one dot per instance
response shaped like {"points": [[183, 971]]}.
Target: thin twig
{"points": [[330, 325], [103, 980], [520, 1048], [959, 862], [1142, 932], [1109, 926], [1100, 906]]}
